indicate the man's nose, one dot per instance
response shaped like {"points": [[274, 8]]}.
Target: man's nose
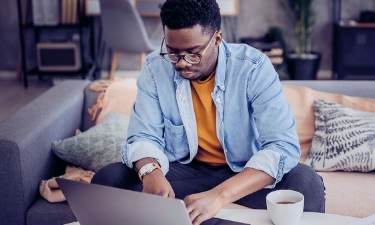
{"points": [[182, 63]]}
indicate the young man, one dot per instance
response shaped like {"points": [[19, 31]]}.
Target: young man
{"points": [[210, 124]]}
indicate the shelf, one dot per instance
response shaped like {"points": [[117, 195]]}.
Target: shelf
{"points": [[354, 24], [86, 51]]}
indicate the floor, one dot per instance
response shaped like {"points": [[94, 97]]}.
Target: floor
{"points": [[13, 95]]}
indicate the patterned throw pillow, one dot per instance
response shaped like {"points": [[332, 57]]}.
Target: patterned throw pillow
{"points": [[98, 146], [344, 139]]}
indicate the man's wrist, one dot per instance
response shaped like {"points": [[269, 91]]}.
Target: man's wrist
{"points": [[222, 195], [140, 163], [147, 169]]}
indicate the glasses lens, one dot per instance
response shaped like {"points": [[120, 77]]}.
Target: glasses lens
{"points": [[192, 58], [171, 58]]}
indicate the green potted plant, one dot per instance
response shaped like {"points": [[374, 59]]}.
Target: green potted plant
{"points": [[303, 63]]}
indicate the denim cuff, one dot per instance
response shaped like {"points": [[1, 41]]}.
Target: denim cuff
{"points": [[269, 162], [143, 149]]}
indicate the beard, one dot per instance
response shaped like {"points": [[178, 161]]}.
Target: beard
{"points": [[190, 74]]}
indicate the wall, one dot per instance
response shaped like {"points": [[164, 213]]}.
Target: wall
{"points": [[254, 19]]}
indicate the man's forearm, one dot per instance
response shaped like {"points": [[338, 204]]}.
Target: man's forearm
{"points": [[242, 184]]}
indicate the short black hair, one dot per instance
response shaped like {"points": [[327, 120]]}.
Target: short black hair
{"points": [[180, 14]]}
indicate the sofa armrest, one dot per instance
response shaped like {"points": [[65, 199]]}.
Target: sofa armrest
{"points": [[25, 146]]}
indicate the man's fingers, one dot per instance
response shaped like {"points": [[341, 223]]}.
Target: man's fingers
{"points": [[189, 207], [199, 219], [193, 215]]}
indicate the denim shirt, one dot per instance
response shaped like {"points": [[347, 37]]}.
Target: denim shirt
{"points": [[254, 122]]}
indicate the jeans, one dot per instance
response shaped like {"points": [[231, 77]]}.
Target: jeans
{"points": [[198, 177]]}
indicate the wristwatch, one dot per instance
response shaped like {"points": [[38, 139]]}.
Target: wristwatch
{"points": [[147, 169]]}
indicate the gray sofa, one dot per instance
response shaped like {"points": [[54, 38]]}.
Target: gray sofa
{"points": [[26, 137]]}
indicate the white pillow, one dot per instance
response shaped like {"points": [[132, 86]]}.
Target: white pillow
{"points": [[344, 139]]}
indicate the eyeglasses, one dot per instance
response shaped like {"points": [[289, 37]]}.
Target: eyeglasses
{"points": [[193, 58]]}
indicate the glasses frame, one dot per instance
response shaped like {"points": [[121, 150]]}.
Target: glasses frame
{"points": [[200, 55]]}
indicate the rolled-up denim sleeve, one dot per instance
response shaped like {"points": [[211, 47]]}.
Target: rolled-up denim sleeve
{"points": [[269, 162], [143, 149], [275, 122]]}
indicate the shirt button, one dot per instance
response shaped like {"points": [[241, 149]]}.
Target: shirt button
{"points": [[218, 99], [222, 87], [234, 167]]}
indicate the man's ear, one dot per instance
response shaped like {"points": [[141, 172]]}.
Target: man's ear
{"points": [[218, 38]]}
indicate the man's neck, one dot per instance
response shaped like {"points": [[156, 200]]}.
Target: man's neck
{"points": [[204, 78], [212, 69]]}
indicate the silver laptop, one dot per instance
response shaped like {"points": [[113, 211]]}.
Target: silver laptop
{"points": [[95, 204]]}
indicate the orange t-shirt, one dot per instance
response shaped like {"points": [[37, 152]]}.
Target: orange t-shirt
{"points": [[209, 147]]}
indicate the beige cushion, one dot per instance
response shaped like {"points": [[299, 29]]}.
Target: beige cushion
{"points": [[350, 193], [119, 97], [301, 100]]}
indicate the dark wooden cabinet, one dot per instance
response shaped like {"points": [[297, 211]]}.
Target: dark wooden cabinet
{"points": [[354, 54], [353, 47]]}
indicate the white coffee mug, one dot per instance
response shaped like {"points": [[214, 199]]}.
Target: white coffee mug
{"points": [[285, 207]]}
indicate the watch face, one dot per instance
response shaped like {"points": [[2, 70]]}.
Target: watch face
{"points": [[147, 169]]}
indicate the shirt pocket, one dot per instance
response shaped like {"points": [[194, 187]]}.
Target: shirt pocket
{"points": [[176, 140]]}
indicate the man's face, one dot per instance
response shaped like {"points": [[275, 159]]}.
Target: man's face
{"points": [[191, 41]]}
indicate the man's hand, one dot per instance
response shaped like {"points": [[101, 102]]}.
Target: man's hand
{"points": [[156, 183], [203, 206]]}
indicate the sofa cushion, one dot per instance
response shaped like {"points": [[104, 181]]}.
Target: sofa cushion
{"points": [[43, 212], [301, 100], [344, 139], [98, 146], [349, 193]]}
